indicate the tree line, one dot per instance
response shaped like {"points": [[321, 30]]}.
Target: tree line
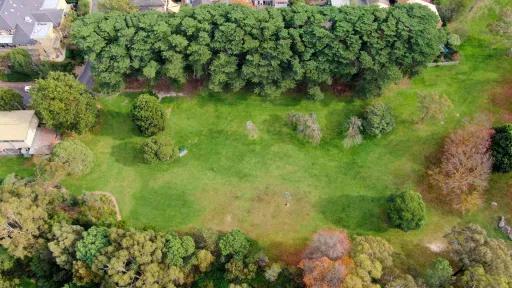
{"points": [[268, 51]]}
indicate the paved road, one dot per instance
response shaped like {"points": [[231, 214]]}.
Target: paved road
{"points": [[20, 87]]}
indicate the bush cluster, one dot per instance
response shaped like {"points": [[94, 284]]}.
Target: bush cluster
{"points": [[74, 156], [406, 210], [502, 148], [157, 149], [10, 100], [148, 115], [378, 120], [306, 126]]}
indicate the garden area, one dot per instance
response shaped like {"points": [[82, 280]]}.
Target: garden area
{"points": [[246, 168], [229, 180]]}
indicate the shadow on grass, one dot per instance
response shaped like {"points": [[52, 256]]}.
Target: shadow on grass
{"points": [[356, 213], [117, 125], [127, 153]]}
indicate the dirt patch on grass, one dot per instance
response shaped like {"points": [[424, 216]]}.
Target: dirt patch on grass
{"points": [[501, 98], [261, 212]]}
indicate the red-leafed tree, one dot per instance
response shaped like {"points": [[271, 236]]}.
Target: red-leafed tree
{"points": [[326, 261], [462, 174]]}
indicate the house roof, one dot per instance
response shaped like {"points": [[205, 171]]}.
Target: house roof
{"points": [[14, 125], [24, 14], [148, 3]]}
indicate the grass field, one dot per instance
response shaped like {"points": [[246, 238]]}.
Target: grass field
{"points": [[228, 180]]}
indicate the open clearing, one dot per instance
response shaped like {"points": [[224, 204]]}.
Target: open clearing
{"points": [[228, 180]]}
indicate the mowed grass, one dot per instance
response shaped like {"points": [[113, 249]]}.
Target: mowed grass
{"points": [[229, 181]]}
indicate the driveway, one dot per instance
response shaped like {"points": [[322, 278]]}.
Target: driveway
{"points": [[20, 87]]}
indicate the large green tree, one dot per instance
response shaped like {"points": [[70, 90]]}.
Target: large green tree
{"points": [[63, 103], [268, 50], [148, 115]]}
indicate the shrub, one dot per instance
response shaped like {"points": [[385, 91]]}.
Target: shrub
{"points": [[158, 149], [234, 243], [502, 148], [76, 158], [97, 208], [176, 248], [450, 9], [377, 120], [63, 103], [20, 61], [439, 274], [93, 241], [353, 135], [406, 210], [453, 41], [433, 106], [82, 7], [333, 244], [10, 100], [503, 26], [306, 125], [463, 171], [148, 115], [315, 93]]}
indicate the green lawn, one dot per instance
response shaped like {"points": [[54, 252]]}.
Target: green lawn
{"points": [[229, 181]]}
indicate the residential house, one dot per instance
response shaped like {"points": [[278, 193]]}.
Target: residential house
{"points": [[270, 3], [195, 3], [339, 3], [19, 134], [33, 25], [157, 5]]}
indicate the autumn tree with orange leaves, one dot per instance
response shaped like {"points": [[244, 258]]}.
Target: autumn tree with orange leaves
{"points": [[326, 260], [463, 171]]}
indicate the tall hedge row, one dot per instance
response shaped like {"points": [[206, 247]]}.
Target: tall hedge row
{"points": [[266, 50]]}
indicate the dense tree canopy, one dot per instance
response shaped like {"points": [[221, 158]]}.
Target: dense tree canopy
{"points": [[502, 148], [63, 103], [406, 210], [148, 115], [268, 51]]}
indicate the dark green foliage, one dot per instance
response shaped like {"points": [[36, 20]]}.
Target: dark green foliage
{"points": [[406, 210], [10, 100], [267, 50], [157, 149], [450, 9], [20, 61], [148, 115], [234, 243], [484, 260], [501, 148], [63, 103], [439, 274], [176, 248], [93, 241], [76, 158], [378, 120]]}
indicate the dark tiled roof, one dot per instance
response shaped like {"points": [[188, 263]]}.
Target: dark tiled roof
{"points": [[22, 16]]}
